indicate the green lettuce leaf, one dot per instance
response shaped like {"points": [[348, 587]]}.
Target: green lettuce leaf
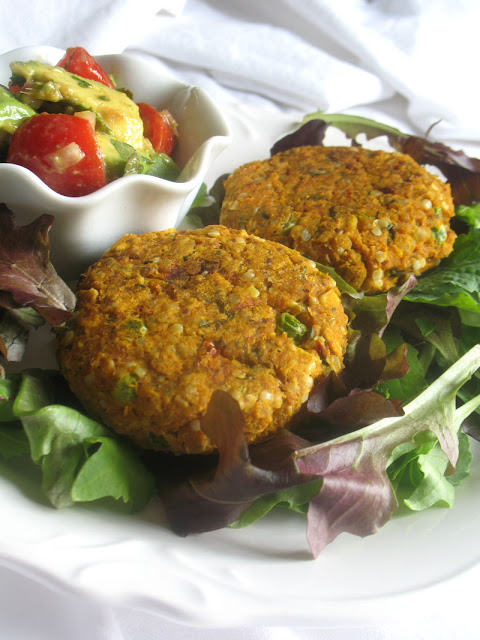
{"points": [[422, 475], [469, 214], [408, 386], [13, 441], [80, 459], [456, 282], [295, 498]]}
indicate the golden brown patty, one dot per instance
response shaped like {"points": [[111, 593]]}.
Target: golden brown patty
{"points": [[374, 216], [164, 319]]}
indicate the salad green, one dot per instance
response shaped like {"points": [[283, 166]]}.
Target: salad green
{"points": [[389, 430], [79, 459]]}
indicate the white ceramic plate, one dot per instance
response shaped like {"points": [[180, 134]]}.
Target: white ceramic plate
{"points": [[263, 574]]}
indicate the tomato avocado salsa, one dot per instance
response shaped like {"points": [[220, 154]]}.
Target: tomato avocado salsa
{"points": [[74, 129]]}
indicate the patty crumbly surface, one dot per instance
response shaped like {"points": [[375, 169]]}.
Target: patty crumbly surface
{"points": [[374, 216], [165, 318]]}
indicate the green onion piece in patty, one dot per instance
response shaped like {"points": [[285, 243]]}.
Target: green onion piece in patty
{"points": [[440, 234], [291, 326]]}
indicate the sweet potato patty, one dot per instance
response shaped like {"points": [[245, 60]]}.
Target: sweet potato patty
{"points": [[375, 217], [165, 318]]}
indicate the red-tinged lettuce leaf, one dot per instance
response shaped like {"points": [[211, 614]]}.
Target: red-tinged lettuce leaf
{"points": [[358, 409], [373, 313], [209, 501], [348, 400], [461, 171], [356, 495], [311, 133], [27, 277]]}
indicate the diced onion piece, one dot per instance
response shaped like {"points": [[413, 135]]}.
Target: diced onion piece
{"points": [[89, 116], [65, 157]]}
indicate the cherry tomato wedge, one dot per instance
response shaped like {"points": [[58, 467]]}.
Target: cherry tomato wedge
{"points": [[158, 127], [60, 149], [77, 60]]}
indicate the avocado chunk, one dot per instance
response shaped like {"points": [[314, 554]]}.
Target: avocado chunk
{"points": [[12, 114], [115, 155], [121, 159], [116, 113]]}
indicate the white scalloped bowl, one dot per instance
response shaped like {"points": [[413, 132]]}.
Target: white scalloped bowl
{"points": [[86, 226]]}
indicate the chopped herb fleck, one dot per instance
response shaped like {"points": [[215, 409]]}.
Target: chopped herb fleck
{"points": [[440, 234], [288, 224], [158, 441], [126, 389], [82, 83], [136, 324], [317, 172]]}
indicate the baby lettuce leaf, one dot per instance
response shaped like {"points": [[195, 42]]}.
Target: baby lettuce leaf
{"points": [[8, 391], [344, 481], [13, 441], [456, 282], [209, 501], [406, 387], [425, 480], [80, 459], [15, 327], [356, 494], [469, 214], [295, 498], [350, 399], [206, 207], [26, 272], [31, 292]]}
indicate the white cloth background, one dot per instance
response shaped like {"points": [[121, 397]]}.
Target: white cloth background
{"points": [[409, 62]]}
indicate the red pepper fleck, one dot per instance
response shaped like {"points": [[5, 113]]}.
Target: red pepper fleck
{"points": [[210, 348], [246, 303]]}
